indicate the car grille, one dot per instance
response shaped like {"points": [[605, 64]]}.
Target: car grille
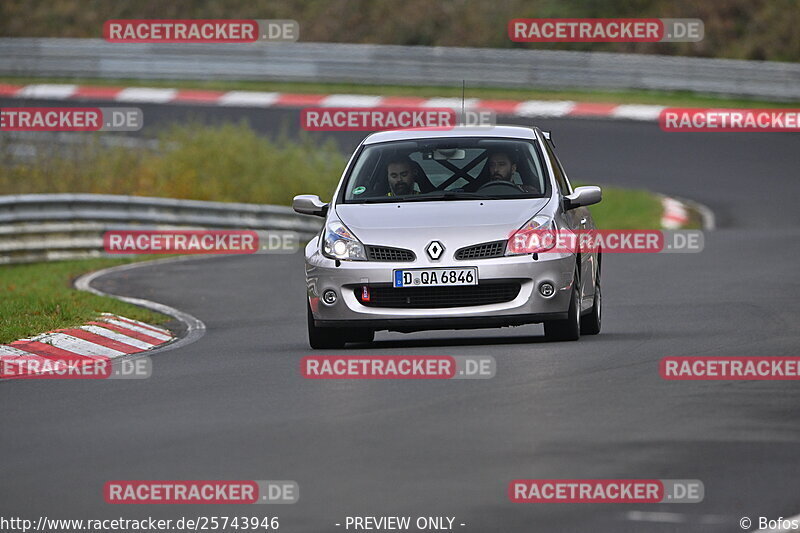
{"points": [[482, 251], [384, 253], [437, 297]]}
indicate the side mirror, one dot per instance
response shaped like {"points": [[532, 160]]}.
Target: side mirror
{"points": [[309, 204], [583, 196]]}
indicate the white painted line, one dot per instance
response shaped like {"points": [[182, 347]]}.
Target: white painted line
{"points": [[544, 108], [675, 518], [675, 213], [714, 519], [248, 99], [140, 329], [146, 94], [77, 346], [663, 517], [452, 103], [57, 92], [113, 335], [143, 324], [672, 204], [637, 112], [15, 352], [195, 328], [350, 100], [709, 221], [669, 223], [10, 356]]}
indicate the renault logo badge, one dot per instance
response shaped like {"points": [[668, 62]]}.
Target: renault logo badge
{"points": [[435, 250]]}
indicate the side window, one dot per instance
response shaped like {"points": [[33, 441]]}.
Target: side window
{"points": [[561, 179]]}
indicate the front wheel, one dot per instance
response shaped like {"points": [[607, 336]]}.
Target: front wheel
{"points": [[323, 338], [568, 329], [590, 324]]}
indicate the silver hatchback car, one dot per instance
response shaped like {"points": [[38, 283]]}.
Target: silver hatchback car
{"points": [[417, 237]]}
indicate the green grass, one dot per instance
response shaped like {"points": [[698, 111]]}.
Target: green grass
{"points": [[38, 298], [227, 163], [627, 209], [670, 98]]}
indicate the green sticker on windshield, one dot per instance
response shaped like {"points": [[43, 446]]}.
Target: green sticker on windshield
{"points": [[359, 190]]}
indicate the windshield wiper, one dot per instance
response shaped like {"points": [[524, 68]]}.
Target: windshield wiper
{"points": [[449, 195], [382, 200]]}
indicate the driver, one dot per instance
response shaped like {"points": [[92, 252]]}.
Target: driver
{"points": [[501, 167], [402, 176]]}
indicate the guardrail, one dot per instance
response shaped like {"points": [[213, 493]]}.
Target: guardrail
{"points": [[403, 65], [49, 227]]}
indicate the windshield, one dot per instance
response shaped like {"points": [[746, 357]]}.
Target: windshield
{"points": [[447, 169]]}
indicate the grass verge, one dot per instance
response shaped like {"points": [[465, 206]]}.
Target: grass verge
{"points": [[225, 163], [38, 298], [627, 209], [669, 98]]}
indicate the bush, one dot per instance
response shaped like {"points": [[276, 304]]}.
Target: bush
{"points": [[228, 163]]}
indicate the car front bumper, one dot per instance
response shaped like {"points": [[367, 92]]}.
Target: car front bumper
{"points": [[529, 306]]}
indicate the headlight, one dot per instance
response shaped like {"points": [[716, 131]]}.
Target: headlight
{"points": [[339, 243], [536, 235]]}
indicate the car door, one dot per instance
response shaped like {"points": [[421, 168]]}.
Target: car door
{"points": [[577, 219]]}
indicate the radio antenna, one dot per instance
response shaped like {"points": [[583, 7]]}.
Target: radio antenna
{"points": [[463, 91]]}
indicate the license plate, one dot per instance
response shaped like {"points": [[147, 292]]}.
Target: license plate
{"points": [[435, 277]]}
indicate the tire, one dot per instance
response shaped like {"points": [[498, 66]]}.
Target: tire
{"points": [[568, 329], [323, 338], [590, 324]]}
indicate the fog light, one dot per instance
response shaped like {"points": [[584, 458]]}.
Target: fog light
{"points": [[546, 289], [329, 297]]}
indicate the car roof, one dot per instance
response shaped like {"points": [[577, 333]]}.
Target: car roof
{"points": [[514, 132]]}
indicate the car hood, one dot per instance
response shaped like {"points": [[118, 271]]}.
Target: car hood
{"points": [[455, 223]]}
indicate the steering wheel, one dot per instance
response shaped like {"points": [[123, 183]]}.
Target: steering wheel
{"points": [[498, 183]]}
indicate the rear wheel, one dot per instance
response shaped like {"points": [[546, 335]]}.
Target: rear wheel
{"points": [[323, 338], [590, 324], [568, 329]]}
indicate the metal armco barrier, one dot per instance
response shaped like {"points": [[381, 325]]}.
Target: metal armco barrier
{"points": [[403, 65], [49, 227]]}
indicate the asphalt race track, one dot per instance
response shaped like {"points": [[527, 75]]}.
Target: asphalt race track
{"points": [[234, 406]]}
